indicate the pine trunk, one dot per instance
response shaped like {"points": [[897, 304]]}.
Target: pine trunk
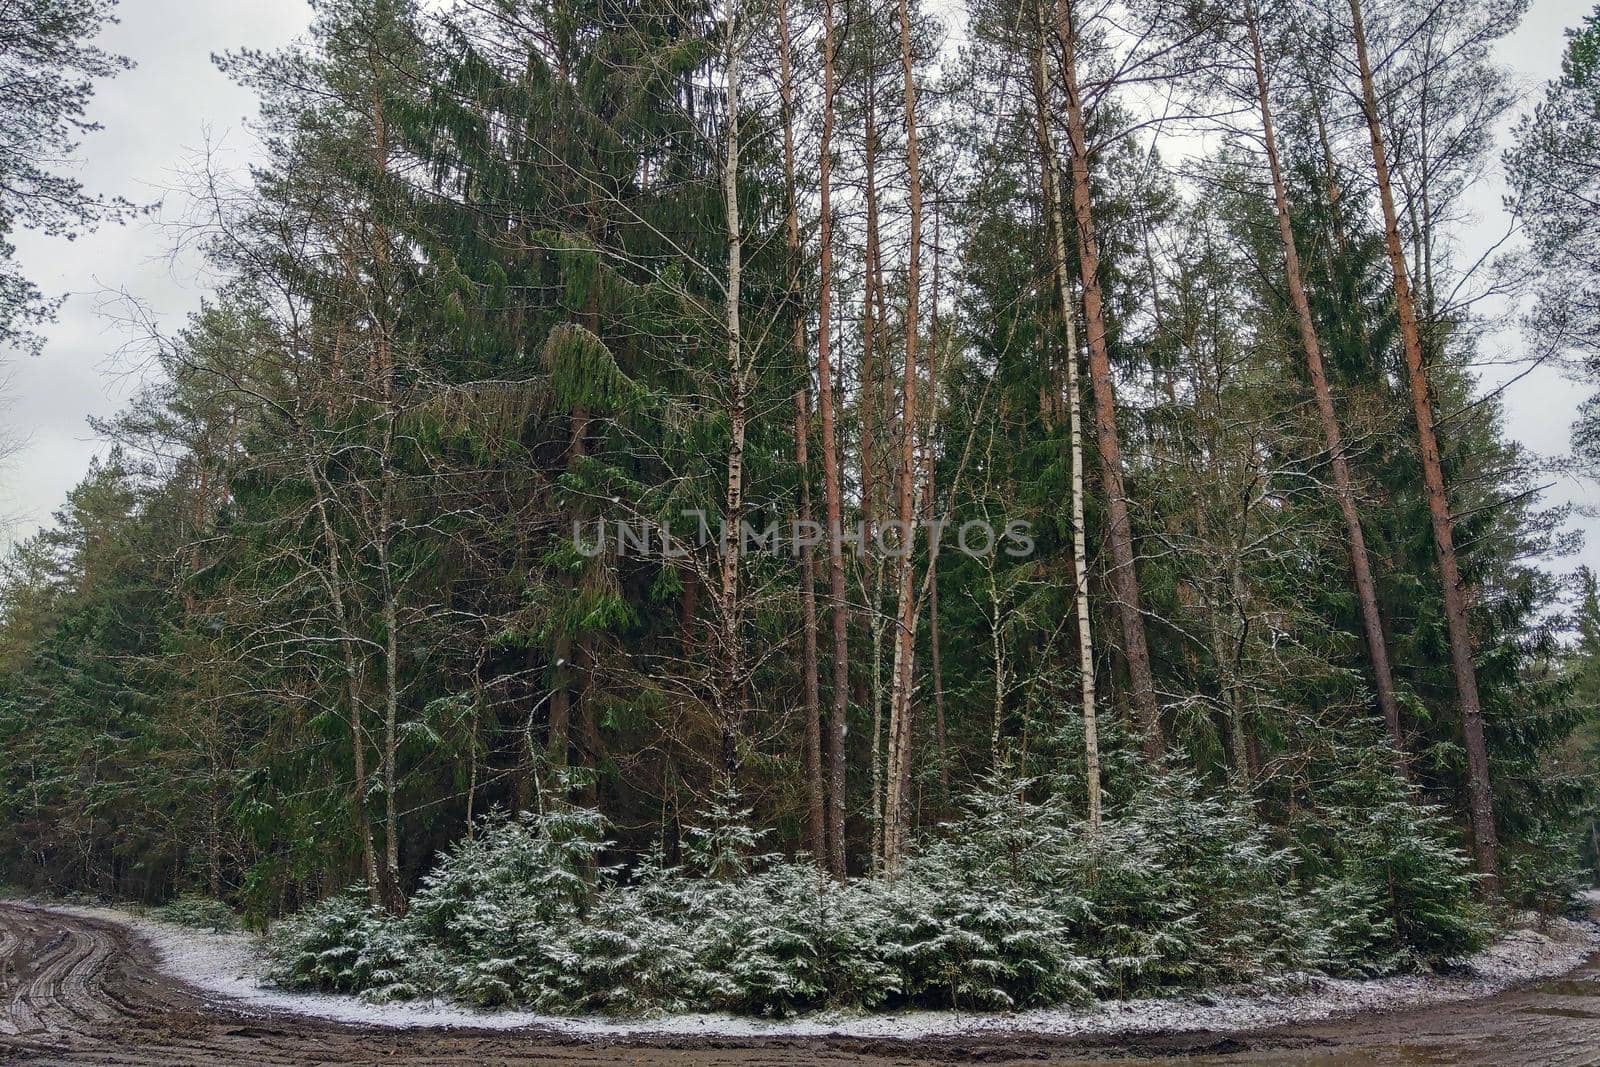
{"points": [[1119, 534], [897, 809], [816, 816], [1479, 796], [1360, 564], [874, 329], [838, 607]]}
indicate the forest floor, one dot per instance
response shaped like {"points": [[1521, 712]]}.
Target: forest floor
{"points": [[81, 986]]}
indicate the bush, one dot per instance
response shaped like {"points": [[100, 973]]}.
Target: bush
{"points": [[766, 945], [630, 957], [963, 942], [342, 945], [1390, 890], [1545, 873], [1185, 889], [1015, 904], [499, 903], [200, 912]]}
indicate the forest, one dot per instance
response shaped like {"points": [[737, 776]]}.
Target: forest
{"points": [[771, 504]]}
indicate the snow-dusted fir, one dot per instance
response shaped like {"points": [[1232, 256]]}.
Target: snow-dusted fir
{"points": [[1018, 904]]}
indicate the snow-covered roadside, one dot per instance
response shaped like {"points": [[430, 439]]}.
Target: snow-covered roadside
{"points": [[226, 964]]}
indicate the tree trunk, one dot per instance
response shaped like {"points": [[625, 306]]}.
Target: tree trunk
{"points": [[1360, 565], [590, 744], [816, 817], [997, 652], [558, 741], [382, 368], [1080, 554], [731, 684], [1119, 534], [874, 329], [391, 686], [832, 493], [1480, 798], [931, 578], [872, 269], [897, 809], [352, 679]]}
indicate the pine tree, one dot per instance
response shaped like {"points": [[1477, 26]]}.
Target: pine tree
{"points": [[48, 69], [1552, 167], [1120, 530], [1481, 804]]}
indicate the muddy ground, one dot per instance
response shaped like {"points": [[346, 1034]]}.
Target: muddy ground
{"points": [[81, 991]]}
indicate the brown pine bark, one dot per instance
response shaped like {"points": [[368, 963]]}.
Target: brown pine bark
{"points": [[1119, 533], [874, 328], [898, 809], [870, 333], [1480, 802], [832, 493], [1360, 564], [816, 817]]}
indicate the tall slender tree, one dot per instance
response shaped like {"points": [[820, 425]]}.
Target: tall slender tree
{"points": [[897, 809], [1343, 486], [1050, 187], [833, 495], [811, 693], [1119, 533], [731, 684], [1480, 799]]}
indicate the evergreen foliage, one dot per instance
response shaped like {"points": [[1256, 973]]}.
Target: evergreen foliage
{"points": [[329, 634], [1015, 904], [200, 912]]}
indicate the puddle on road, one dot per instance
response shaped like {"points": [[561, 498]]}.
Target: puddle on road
{"points": [[1570, 987], [1389, 1055], [1552, 1023], [1563, 1013]]}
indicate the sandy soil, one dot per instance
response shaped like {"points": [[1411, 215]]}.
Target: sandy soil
{"points": [[78, 990]]}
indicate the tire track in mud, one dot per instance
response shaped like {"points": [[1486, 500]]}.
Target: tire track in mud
{"points": [[79, 991], [63, 995], [55, 974], [83, 991]]}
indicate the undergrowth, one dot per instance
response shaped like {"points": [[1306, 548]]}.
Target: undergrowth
{"points": [[1016, 904]]}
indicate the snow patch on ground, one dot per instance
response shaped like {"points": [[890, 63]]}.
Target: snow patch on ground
{"points": [[228, 965]]}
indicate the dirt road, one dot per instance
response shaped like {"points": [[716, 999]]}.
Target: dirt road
{"points": [[81, 991]]}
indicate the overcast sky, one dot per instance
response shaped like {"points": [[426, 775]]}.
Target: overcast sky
{"points": [[160, 115]]}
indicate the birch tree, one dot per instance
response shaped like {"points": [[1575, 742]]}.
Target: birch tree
{"points": [[1050, 190]]}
